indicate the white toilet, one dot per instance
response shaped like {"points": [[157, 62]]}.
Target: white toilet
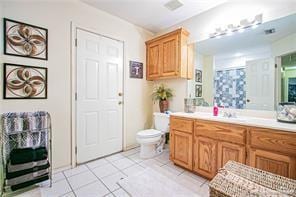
{"points": [[152, 140]]}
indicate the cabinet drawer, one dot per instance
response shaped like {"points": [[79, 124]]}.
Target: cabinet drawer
{"points": [[220, 131], [268, 139], [180, 124], [273, 162]]}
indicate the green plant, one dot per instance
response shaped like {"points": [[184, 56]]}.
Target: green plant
{"points": [[162, 93]]}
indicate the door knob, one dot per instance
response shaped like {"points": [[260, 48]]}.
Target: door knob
{"points": [[120, 103], [120, 94], [248, 100]]}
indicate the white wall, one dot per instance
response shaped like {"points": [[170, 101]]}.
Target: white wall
{"points": [[179, 87], [232, 60], [57, 17], [284, 46], [201, 25]]}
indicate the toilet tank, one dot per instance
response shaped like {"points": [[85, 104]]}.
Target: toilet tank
{"points": [[161, 121]]}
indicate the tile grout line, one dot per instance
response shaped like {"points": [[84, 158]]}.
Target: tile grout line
{"points": [[99, 180], [72, 190]]}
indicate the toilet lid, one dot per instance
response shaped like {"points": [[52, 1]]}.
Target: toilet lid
{"points": [[149, 133]]}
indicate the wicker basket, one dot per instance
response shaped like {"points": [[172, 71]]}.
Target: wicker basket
{"points": [[236, 179]]}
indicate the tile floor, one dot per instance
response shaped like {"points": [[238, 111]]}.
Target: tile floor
{"points": [[100, 177]]}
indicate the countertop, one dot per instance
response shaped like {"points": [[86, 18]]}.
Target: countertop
{"points": [[241, 120]]}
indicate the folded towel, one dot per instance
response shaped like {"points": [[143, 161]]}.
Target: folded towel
{"points": [[19, 167], [11, 175], [26, 177], [28, 183], [25, 155]]}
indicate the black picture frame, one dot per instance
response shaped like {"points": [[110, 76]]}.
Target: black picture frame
{"points": [[23, 66], [5, 20], [136, 70], [198, 76], [198, 90]]}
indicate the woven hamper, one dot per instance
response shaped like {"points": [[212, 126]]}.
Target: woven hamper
{"points": [[236, 179]]}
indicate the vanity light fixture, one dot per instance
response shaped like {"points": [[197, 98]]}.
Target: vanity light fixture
{"points": [[241, 27]]}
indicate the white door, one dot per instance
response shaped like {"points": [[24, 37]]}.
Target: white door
{"points": [[260, 84], [99, 96]]}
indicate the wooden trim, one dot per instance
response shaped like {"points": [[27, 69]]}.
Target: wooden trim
{"points": [[180, 30]]}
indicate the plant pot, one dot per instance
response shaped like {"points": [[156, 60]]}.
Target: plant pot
{"points": [[163, 105]]}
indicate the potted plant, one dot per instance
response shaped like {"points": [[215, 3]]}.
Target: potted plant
{"points": [[162, 94]]}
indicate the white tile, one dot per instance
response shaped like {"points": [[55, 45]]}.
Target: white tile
{"points": [[97, 163], [136, 158], [74, 171], [57, 177], [82, 179], [172, 168], [130, 152], [121, 193], [135, 169], [171, 164], [163, 158], [123, 163], [57, 170], [190, 183], [194, 176], [58, 189], [115, 157], [111, 181], [92, 190], [150, 162], [205, 190], [109, 195], [71, 194], [24, 193], [105, 170]]}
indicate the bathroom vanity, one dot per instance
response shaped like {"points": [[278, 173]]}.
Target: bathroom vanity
{"points": [[203, 143]]}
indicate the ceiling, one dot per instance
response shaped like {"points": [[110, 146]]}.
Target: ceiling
{"points": [[151, 14], [241, 43]]}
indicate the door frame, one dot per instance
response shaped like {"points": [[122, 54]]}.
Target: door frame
{"points": [[73, 69]]}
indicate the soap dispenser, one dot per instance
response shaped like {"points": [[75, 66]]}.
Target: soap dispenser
{"points": [[215, 110]]}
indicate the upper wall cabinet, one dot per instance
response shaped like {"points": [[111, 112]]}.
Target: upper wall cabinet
{"points": [[169, 56]]}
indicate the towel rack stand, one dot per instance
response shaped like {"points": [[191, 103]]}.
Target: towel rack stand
{"points": [[26, 150]]}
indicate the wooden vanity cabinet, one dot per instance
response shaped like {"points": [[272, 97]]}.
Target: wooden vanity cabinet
{"points": [[168, 56], [181, 131], [205, 156], [273, 151], [229, 151], [205, 146], [215, 144]]}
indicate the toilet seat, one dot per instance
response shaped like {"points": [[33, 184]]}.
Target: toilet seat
{"points": [[149, 133]]}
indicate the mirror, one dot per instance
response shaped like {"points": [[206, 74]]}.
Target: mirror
{"points": [[250, 69]]}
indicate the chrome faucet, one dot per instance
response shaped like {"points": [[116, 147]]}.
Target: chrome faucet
{"points": [[229, 113]]}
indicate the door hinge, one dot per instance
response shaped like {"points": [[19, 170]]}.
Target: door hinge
{"points": [[275, 66], [75, 150], [75, 96], [75, 42]]}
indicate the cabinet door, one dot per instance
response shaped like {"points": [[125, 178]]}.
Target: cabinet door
{"points": [[182, 149], [205, 156], [273, 162], [170, 52], [154, 58], [228, 151]]}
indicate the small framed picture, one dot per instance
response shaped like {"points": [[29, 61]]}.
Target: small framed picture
{"points": [[198, 90], [136, 70], [198, 76], [24, 82], [25, 40]]}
